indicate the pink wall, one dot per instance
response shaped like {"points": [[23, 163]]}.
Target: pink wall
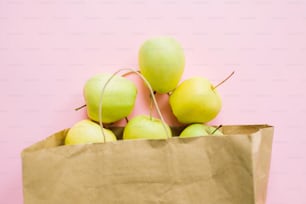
{"points": [[49, 48]]}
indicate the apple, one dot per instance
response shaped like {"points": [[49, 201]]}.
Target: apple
{"points": [[195, 130], [146, 127], [195, 100], [86, 131], [162, 61], [118, 100]]}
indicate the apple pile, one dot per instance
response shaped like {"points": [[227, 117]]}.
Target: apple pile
{"points": [[110, 98]]}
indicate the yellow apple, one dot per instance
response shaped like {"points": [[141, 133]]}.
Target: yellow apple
{"points": [[146, 127], [162, 61], [195, 100], [196, 130], [118, 100], [86, 131]]}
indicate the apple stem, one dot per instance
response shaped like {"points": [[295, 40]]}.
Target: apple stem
{"points": [[79, 108], [229, 76], [217, 128], [126, 119]]}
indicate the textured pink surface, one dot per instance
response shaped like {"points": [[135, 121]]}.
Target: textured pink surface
{"points": [[49, 48]]}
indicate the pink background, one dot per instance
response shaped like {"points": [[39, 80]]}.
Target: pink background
{"points": [[49, 48]]}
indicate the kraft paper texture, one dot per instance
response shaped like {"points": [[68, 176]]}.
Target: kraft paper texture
{"points": [[229, 169]]}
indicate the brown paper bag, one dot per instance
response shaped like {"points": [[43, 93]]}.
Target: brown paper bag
{"points": [[229, 169]]}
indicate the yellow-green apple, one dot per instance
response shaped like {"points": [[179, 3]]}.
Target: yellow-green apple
{"points": [[86, 131], [146, 127], [162, 61], [118, 100], [195, 100], [195, 130]]}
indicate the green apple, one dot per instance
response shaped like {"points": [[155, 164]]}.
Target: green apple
{"points": [[162, 61], [118, 99], [146, 127], [195, 130], [86, 131], [195, 100]]}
